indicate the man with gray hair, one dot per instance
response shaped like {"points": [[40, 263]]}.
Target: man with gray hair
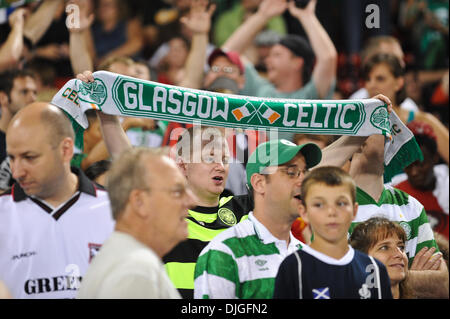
{"points": [[149, 201]]}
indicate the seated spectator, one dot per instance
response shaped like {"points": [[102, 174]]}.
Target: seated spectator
{"points": [[149, 200], [384, 74], [427, 180], [385, 240], [54, 214], [113, 33], [330, 268]]}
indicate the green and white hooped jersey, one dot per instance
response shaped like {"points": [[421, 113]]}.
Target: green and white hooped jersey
{"points": [[241, 262], [402, 208]]}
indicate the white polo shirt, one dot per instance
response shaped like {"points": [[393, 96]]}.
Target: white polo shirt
{"points": [[44, 251]]}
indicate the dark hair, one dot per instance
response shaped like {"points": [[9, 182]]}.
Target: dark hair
{"points": [[300, 47], [392, 62], [7, 79], [366, 234], [327, 139], [330, 176], [97, 169], [427, 142]]}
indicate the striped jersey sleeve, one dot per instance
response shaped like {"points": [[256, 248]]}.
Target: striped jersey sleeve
{"points": [[402, 208]]}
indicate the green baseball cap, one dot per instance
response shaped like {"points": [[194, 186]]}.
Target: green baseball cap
{"points": [[278, 152]]}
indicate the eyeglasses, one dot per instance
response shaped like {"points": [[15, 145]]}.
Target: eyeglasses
{"points": [[176, 193], [293, 171], [225, 69]]}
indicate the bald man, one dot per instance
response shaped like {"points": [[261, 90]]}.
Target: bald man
{"points": [[53, 220]]}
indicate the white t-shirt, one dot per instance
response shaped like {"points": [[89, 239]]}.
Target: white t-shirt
{"points": [[126, 268], [45, 251]]}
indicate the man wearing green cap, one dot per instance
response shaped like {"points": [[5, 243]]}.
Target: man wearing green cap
{"points": [[242, 261]]}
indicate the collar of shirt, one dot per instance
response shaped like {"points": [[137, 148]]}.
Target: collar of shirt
{"points": [[344, 260], [266, 236]]}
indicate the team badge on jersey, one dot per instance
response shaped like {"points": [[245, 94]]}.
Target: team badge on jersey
{"points": [[93, 250], [321, 293], [227, 216], [407, 229]]}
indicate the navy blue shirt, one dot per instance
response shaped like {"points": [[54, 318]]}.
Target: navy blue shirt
{"points": [[309, 274]]}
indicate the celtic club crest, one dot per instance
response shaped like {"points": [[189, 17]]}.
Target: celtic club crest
{"points": [[227, 216], [94, 92], [380, 118]]}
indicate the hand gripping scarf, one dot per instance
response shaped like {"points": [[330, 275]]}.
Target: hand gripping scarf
{"points": [[126, 96]]}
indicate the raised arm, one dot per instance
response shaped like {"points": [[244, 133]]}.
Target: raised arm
{"points": [[80, 43], [134, 43], [324, 73], [340, 151], [245, 34], [38, 23], [11, 50], [199, 22], [114, 135]]}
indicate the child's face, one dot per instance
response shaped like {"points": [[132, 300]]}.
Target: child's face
{"points": [[329, 210]]}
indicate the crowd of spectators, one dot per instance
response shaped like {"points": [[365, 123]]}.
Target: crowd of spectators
{"points": [[329, 49]]}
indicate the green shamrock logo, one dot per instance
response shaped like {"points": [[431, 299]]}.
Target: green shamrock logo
{"points": [[95, 91], [380, 118]]}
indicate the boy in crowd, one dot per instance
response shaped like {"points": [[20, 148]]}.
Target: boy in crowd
{"points": [[330, 268]]}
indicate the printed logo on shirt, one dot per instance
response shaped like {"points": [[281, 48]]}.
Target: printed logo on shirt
{"points": [[260, 263], [321, 293], [24, 255], [227, 216], [407, 229]]}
